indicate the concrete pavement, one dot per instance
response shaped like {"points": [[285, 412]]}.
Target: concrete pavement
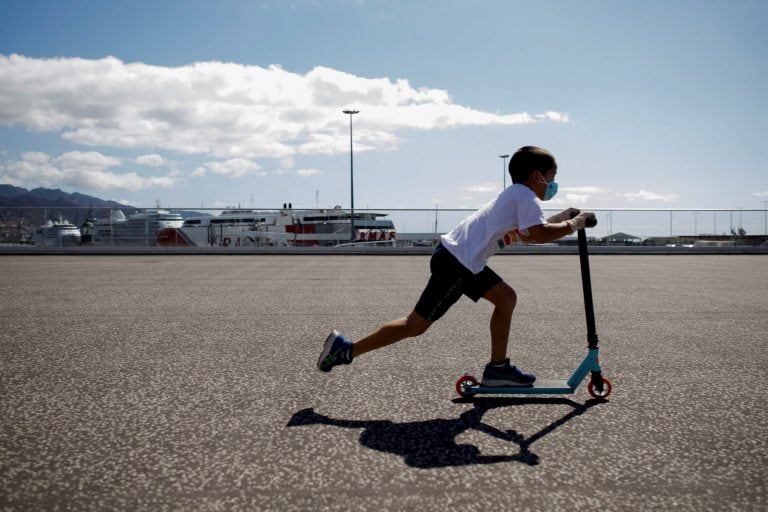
{"points": [[165, 382]]}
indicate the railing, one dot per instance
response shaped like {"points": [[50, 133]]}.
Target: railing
{"points": [[616, 226], [642, 224]]}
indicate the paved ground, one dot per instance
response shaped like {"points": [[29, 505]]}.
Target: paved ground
{"points": [[189, 383]]}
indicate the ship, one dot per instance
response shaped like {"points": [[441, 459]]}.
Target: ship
{"points": [[280, 228], [57, 233], [138, 229]]}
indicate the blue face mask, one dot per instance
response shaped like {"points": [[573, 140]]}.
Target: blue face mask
{"points": [[550, 191]]}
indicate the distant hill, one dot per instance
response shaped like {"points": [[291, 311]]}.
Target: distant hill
{"points": [[16, 197], [7, 191]]}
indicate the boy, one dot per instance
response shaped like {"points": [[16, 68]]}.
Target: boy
{"points": [[458, 267]]}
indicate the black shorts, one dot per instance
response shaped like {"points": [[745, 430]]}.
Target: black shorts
{"points": [[449, 281]]}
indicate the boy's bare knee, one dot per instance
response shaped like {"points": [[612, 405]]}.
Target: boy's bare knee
{"points": [[502, 295], [511, 297], [416, 324]]}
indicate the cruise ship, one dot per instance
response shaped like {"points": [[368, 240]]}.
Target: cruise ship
{"points": [[57, 233], [138, 229]]}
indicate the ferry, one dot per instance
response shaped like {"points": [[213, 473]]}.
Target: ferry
{"points": [[57, 233], [284, 227]]}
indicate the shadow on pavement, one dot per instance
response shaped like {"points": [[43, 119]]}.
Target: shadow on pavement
{"points": [[432, 443]]}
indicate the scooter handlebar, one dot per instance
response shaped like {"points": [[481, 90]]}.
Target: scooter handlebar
{"points": [[591, 221]]}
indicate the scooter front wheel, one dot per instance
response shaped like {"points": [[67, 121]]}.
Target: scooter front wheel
{"points": [[463, 384], [607, 387]]}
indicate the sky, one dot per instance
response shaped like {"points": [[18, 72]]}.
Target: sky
{"points": [[203, 103]]}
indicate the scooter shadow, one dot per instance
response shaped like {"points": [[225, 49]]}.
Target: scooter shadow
{"points": [[432, 444]]}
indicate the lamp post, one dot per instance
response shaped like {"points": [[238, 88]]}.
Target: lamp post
{"points": [[504, 169], [351, 176]]}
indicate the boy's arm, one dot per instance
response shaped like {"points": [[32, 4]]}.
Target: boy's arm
{"points": [[549, 232], [545, 233]]}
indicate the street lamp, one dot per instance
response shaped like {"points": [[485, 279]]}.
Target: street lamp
{"points": [[351, 176], [504, 169]]}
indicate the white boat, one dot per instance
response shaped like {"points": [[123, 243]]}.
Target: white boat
{"points": [[284, 227], [138, 229], [57, 233]]}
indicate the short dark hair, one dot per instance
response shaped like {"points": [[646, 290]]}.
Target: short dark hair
{"points": [[528, 159]]}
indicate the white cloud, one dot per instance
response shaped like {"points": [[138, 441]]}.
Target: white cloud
{"points": [[224, 110], [151, 160], [644, 195], [287, 162], [486, 187], [582, 190], [577, 198], [78, 169], [557, 117], [233, 168], [577, 195], [761, 194], [305, 173]]}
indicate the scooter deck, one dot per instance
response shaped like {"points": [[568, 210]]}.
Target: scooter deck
{"points": [[540, 387]]}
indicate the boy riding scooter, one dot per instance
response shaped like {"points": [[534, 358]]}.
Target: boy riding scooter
{"points": [[459, 267]]}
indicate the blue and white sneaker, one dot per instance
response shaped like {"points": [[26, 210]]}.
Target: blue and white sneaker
{"points": [[336, 350], [506, 375]]}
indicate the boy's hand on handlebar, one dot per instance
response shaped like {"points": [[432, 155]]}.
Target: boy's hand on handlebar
{"points": [[582, 220]]}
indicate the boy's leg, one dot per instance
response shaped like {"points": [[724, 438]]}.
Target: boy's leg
{"points": [[442, 290], [337, 349], [391, 332], [504, 299], [500, 372]]}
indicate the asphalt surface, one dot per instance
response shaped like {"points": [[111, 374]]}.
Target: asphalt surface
{"points": [[189, 383]]}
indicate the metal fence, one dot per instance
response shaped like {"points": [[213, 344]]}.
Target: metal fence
{"points": [[130, 227]]}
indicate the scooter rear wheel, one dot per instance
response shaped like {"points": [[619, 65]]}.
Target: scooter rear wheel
{"points": [[462, 384], [607, 387]]}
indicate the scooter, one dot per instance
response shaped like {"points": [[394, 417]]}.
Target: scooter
{"points": [[599, 387]]}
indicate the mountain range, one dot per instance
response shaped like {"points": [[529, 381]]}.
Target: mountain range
{"points": [[15, 197]]}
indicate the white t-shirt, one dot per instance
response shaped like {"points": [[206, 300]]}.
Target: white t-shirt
{"points": [[481, 235]]}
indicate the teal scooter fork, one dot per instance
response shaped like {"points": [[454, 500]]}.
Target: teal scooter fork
{"points": [[599, 386]]}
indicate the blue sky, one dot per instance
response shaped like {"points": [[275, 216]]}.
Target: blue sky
{"points": [[655, 104]]}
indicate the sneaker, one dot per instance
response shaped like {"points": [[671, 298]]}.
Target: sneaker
{"points": [[506, 375], [336, 350]]}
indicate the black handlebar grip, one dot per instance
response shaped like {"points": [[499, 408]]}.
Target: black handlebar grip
{"points": [[591, 221]]}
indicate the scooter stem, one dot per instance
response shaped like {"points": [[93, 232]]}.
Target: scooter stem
{"points": [[586, 284]]}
